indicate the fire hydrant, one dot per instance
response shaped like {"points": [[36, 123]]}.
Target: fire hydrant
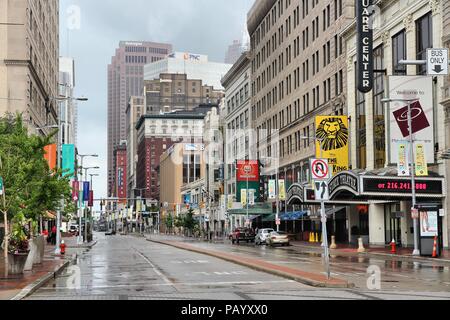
{"points": [[62, 248], [393, 246]]}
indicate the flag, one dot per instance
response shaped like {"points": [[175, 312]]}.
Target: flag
{"points": [[75, 190], [421, 161], [50, 155], [403, 160], [86, 191], [68, 160], [282, 189]]}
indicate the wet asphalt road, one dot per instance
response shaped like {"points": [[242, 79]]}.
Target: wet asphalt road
{"points": [[131, 268]]}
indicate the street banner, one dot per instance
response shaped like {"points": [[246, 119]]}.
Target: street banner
{"points": [[75, 190], [91, 198], [421, 161], [80, 199], [1, 186], [428, 223], [138, 206], [230, 202], [332, 142], [86, 191], [282, 189], [247, 170], [272, 191], [422, 115], [403, 160], [251, 197], [68, 160], [50, 155], [244, 197]]}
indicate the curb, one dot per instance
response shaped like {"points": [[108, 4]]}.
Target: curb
{"points": [[33, 287], [300, 279]]}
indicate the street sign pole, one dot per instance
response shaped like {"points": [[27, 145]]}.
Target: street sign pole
{"points": [[325, 239]]}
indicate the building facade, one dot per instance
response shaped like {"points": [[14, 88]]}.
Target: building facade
{"points": [[195, 66], [135, 110], [120, 155], [69, 113], [29, 61], [172, 92], [402, 31], [125, 79], [155, 135], [234, 52]]}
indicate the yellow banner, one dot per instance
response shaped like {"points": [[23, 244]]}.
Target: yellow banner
{"points": [[332, 142], [230, 202], [282, 189], [244, 197], [421, 161]]}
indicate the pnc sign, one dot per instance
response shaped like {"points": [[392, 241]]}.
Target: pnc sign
{"points": [[364, 11]]}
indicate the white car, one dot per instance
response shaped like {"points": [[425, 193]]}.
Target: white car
{"points": [[262, 235]]}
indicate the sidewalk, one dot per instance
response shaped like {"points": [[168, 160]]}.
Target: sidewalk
{"points": [[31, 280], [308, 278], [374, 251]]}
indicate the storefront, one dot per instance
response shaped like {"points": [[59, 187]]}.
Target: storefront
{"points": [[376, 206]]}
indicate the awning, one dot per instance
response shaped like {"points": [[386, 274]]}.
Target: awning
{"points": [[256, 210], [269, 218], [291, 216]]}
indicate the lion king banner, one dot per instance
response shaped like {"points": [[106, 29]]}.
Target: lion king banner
{"points": [[332, 138]]}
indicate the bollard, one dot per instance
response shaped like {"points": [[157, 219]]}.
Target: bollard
{"points": [[333, 243], [361, 248]]}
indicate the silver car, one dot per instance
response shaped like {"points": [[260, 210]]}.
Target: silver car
{"points": [[262, 235]]}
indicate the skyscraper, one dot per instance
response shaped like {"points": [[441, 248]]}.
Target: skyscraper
{"points": [[234, 52], [125, 79]]}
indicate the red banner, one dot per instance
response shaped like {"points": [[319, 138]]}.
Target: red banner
{"points": [[75, 190], [50, 155], [247, 170], [91, 198]]}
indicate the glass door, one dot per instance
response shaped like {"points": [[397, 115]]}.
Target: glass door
{"points": [[392, 224]]}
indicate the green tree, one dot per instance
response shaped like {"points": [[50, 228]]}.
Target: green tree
{"points": [[169, 222], [31, 188], [189, 221]]}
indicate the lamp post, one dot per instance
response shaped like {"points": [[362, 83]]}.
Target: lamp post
{"points": [[140, 213], [82, 156], [416, 251], [59, 154], [85, 220]]}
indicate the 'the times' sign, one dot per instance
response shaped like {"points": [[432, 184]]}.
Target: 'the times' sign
{"points": [[365, 45]]}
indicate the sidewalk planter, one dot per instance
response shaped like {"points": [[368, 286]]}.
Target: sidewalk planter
{"points": [[36, 255], [16, 263]]}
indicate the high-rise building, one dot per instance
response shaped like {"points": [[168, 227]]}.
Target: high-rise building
{"points": [[175, 92], [195, 66], [69, 112], [234, 52], [125, 79], [29, 59]]}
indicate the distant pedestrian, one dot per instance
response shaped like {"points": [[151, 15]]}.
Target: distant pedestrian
{"points": [[54, 235]]}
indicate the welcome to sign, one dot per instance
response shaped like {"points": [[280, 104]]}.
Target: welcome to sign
{"points": [[364, 21]]}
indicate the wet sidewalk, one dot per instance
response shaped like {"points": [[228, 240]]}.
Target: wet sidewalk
{"points": [[373, 250]]}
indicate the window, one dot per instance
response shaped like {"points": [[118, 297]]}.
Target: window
{"points": [[361, 143], [424, 40], [378, 110], [399, 53]]}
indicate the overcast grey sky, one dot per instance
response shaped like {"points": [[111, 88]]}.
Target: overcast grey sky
{"points": [[198, 26]]}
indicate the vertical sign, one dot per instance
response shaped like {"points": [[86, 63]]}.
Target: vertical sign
{"points": [[68, 160], [50, 155], [365, 44], [244, 196], [1, 186], [332, 141], [272, 190], [282, 189], [403, 160], [85, 191], [421, 161], [251, 197], [91, 198], [75, 190], [230, 202]]}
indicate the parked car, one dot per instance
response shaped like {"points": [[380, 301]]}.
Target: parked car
{"points": [[279, 238], [242, 234], [73, 230], [262, 235]]}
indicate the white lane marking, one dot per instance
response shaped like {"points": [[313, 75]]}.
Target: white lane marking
{"points": [[189, 261], [169, 284], [155, 269]]}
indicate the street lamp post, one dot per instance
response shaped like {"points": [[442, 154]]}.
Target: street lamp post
{"points": [[90, 188], [82, 156], [416, 251], [140, 213]]}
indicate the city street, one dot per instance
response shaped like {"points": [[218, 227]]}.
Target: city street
{"points": [[130, 267]]}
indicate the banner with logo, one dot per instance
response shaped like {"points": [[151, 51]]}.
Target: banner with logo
{"points": [[251, 197], [411, 87], [421, 160], [428, 223], [332, 141], [91, 198], [86, 191], [1, 186], [50, 155], [247, 170], [230, 202], [75, 190], [282, 189], [272, 189], [68, 160], [403, 159]]}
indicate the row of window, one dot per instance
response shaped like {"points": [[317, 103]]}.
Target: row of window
{"points": [[239, 99]]}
